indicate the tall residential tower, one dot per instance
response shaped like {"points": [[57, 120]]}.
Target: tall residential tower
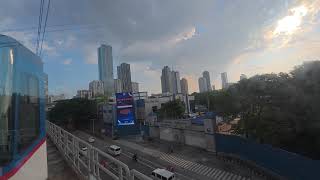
{"points": [[202, 84], [105, 61], [124, 74], [224, 80], [175, 79], [206, 75], [184, 86], [166, 80]]}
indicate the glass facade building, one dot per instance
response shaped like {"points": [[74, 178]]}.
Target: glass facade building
{"points": [[105, 62], [22, 103]]}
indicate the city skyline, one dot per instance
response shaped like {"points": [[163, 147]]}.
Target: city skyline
{"points": [[191, 41]]}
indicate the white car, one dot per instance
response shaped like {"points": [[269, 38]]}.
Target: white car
{"points": [[91, 140], [162, 174], [114, 150]]}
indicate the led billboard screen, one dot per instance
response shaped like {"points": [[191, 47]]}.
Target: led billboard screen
{"points": [[125, 111]]}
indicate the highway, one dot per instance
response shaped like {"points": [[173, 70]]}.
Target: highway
{"points": [[146, 163]]}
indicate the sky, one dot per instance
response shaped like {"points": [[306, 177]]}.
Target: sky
{"points": [[238, 37]]}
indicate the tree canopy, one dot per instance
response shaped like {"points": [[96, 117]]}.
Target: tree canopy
{"points": [[279, 109], [73, 111], [172, 109]]}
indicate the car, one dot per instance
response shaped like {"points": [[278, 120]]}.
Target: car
{"points": [[113, 150], [162, 174], [91, 140]]}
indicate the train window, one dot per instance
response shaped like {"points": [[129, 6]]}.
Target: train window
{"points": [[19, 106], [29, 115], [6, 115]]}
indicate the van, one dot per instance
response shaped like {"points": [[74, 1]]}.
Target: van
{"points": [[114, 150], [162, 174]]}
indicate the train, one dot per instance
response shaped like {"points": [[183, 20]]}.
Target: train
{"points": [[23, 151]]}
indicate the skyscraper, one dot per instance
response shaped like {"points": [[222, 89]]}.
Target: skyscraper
{"points": [[184, 86], [96, 87], [175, 79], [135, 87], [202, 84], [243, 76], [124, 75], [206, 75], [105, 61], [166, 80], [117, 86], [224, 80]]}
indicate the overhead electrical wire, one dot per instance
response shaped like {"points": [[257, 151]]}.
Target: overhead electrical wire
{"points": [[45, 25], [39, 25]]}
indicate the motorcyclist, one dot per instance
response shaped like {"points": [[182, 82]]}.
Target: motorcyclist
{"points": [[135, 157]]}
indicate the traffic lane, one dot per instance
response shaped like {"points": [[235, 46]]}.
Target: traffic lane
{"points": [[125, 157], [150, 162]]}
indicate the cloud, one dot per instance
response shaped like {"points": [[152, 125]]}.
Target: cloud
{"points": [[67, 61], [90, 53], [191, 36]]}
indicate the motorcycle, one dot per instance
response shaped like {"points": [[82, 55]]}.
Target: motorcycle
{"points": [[135, 157]]}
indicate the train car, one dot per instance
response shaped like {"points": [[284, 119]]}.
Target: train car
{"points": [[23, 153]]}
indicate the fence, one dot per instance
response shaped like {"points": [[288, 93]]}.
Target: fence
{"points": [[87, 160], [283, 163]]}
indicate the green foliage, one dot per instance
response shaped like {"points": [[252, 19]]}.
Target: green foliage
{"points": [[279, 109], [75, 111], [172, 109]]}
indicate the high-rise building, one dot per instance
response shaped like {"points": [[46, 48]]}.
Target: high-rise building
{"points": [[184, 86], [117, 86], [175, 79], [243, 76], [224, 80], [213, 87], [53, 98], [124, 74], [135, 87], [202, 84], [105, 61], [166, 80], [84, 94], [46, 90], [206, 75], [96, 87]]}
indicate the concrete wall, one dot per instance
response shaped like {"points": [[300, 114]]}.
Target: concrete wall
{"points": [[183, 132], [154, 131], [35, 168], [195, 138], [166, 134], [183, 136]]}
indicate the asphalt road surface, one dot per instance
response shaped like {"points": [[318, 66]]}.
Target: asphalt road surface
{"points": [[183, 169]]}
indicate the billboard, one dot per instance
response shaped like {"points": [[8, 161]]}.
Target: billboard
{"points": [[125, 110]]}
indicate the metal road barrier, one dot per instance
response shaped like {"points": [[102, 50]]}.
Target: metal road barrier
{"points": [[88, 161]]}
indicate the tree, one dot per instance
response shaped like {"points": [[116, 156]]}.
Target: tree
{"points": [[279, 109], [75, 112], [172, 109]]}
